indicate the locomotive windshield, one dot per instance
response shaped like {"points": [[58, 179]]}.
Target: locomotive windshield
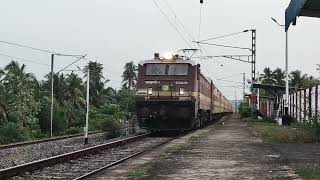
{"points": [[178, 69], [156, 69], [167, 69]]}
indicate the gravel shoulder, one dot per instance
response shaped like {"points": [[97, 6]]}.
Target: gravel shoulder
{"points": [[23, 154], [81, 166], [229, 151]]}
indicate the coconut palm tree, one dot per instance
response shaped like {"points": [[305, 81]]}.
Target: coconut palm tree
{"points": [[1, 74], [296, 79], [3, 103], [74, 91], [20, 98], [267, 76], [309, 81], [278, 76], [96, 82], [129, 75], [74, 97]]}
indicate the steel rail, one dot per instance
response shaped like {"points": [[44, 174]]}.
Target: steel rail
{"points": [[31, 166], [6, 146], [120, 161]]}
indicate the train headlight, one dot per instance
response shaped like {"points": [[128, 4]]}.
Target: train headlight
{"points": [[181, 91], [149, 92], [168, 56], [165, 88]]}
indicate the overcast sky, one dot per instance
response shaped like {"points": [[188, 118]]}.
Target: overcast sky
{"points": [[114, 32]]}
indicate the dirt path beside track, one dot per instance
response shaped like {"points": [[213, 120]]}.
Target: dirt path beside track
{"points": [[220, 151]]}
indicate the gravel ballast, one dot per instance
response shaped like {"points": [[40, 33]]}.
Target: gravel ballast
{"points": [[24, 154]]}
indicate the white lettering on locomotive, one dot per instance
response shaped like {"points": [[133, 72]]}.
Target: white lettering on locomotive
{"points": [[184, 98], [181, 82], [152, 82]]}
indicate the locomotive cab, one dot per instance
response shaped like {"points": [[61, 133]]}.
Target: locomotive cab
{"points": [[164, 98], [173, 95]]}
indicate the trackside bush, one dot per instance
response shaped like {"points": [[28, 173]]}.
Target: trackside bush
{"points": [[244, 110], [111, 127], [12, 132], [313, 125], [73, 130], [272, 132]]}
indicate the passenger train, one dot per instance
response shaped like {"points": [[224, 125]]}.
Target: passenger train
{"points": [[173, 95]]}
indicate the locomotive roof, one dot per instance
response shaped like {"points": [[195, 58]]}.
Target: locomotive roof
{"points": [[178, 61]]}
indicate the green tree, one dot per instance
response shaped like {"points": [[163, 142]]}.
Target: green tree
{"points": [[267, 76], [110, 95], [60, 118], [74, 96], [3, 103], [125, 98], [299, 80], [309, 81], [96, 82], [74, 91], [278, 76], [296, 79], [129, 75], [21, 102], [59, 87]]}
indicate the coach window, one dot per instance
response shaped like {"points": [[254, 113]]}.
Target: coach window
{"points": [[178, 69], [155, 69]]}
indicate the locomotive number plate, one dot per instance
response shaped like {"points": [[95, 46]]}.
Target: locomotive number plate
{"points": [[181, 82], [184, 98]]}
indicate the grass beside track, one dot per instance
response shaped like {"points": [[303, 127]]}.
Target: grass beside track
{"points": [[308, 171], [272, 132]]}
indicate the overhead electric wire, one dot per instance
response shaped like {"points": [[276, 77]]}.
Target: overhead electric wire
{"points": [[226, 77], [231, 81], [175, 28], [72, 63], [179, 20], [200, 21], [221, 45], [22, 59], [183, 26], [232, 34], [37, 49]]}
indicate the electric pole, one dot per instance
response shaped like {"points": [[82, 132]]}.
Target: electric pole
{"points": [[87, 115], [244, 85], [235, 100], [253, 55], [51, 115]]}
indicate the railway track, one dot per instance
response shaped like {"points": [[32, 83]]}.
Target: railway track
{"points": [[86, 162], [6, 146]]}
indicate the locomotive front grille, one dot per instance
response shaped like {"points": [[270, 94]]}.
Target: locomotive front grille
{"points": [[165, 115]]}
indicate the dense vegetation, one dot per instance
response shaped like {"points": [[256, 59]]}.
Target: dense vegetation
{"points": [[304, 132], [244, 110], [25, 102], [308, 171], [297, 79], [269, 131]]}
